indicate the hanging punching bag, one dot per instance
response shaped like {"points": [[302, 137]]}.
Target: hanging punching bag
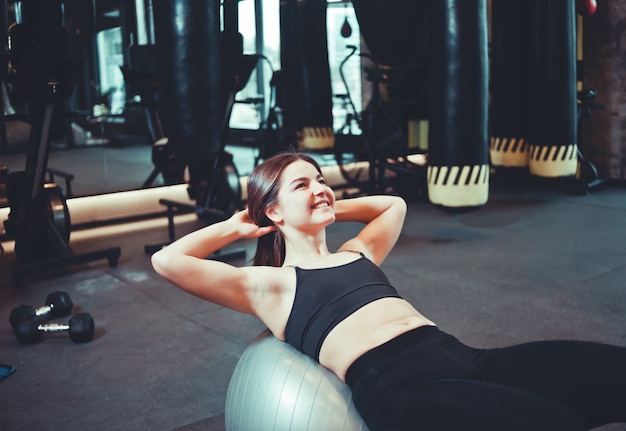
{"points": [[396, 35], [304, 60], [395, 31], [187, 36], [510, 107], [553, 148], [458, 171]]}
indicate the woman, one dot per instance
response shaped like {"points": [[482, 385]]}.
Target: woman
{"points": [[339, 308]]}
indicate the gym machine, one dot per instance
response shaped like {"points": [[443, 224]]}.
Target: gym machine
{"points": [[39, 219], [204, 68], [218, 194], [142, 81], [386, 143], [589, 177]]}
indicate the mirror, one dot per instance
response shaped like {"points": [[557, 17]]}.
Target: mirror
{"points": [[105, 140]]}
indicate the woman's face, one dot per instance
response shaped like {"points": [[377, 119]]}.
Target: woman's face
{"points": [[304, 199]]}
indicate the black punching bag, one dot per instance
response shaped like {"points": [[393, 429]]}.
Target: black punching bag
{"points": [[396, 35], [510, 79], [395, 31], [187, 36], [304, 62], [553, 135], [458, 171]]}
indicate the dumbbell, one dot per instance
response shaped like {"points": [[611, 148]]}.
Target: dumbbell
{"points": [[81, 328], [58, 304]]}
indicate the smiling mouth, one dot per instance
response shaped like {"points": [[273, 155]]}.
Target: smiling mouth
{"points": [[321, 205]]}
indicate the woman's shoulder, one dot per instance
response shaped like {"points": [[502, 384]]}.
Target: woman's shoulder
{"points": [[271, 294], [270, 277]]}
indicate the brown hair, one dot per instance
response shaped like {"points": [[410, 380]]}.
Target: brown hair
{"points": [[263, 186]]}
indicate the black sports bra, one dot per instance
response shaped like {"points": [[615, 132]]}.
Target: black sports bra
{"points": [[326, 296]]}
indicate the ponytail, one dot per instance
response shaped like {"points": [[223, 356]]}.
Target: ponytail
{"points": [[270, 250]]}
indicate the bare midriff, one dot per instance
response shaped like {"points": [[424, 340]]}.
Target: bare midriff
{"points": [[368, 327]]}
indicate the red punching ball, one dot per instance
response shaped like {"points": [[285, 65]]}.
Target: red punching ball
{"points": [[586, 7]]}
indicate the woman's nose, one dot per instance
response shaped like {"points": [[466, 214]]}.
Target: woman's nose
{"points": [[318, 188]]}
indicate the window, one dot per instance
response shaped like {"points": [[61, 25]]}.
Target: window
{"points": [[110, 58], [248, 115], [340, 16]]}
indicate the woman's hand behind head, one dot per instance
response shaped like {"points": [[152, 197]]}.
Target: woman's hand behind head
{"points": [[247, 228]]}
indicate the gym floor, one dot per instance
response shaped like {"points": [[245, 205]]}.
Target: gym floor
{"points": [[536, 262]]}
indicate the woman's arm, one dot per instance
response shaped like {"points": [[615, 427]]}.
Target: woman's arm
{"points": [[184, 263], [383, 216]]}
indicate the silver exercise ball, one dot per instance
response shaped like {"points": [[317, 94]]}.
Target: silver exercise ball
{"points": [[275, 387]]}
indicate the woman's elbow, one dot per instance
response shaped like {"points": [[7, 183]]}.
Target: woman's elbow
{"points": [[160, 262], [401, 205]]}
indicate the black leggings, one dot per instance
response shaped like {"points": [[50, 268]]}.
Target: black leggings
{"points": [[426, 379]]}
